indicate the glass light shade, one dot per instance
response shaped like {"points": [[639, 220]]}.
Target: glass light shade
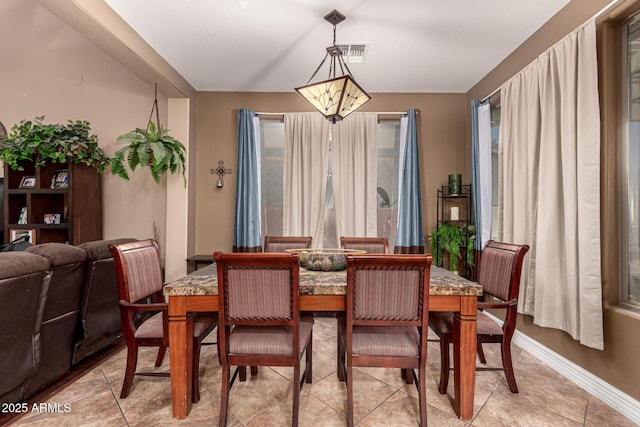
{"points": [[335, 98]]}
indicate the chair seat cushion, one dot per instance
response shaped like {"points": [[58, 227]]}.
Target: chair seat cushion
{"points": [[202, 322], [386, 341], [442, 321], [272, 340], [152, 327], [487, 326]]}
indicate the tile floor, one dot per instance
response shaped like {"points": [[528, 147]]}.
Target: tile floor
{"points": [[381, 397]]}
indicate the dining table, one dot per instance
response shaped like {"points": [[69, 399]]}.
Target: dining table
{"points": [[320, 292]]}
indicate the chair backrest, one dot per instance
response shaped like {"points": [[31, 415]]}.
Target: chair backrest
{"points": [[500, 268], [388, 290], [373, 245], [138, 269], [282, 243], [257, 289]]}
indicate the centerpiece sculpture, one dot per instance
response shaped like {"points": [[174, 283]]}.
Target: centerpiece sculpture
{"points": [[324, 259]]}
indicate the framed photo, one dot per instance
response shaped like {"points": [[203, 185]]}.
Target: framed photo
{"points": [[28, 182], [60, 179], [52, 218], [16, 233]]}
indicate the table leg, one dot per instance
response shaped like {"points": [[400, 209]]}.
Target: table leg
{"points": [[181, 356], [464, 356]]}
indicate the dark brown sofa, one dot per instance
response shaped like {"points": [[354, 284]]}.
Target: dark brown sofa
{"points": [[24, 282], [59, 323], [100, 312], [58, 306]]}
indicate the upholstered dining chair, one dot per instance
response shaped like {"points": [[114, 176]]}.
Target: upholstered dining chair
{"points": [[279, 244], [139, 276], [373, 245], [386, 321], [282, 243], [499, 272], [260, 319]]}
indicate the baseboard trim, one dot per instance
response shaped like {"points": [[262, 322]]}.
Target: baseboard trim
{"points": [[616, 399]]}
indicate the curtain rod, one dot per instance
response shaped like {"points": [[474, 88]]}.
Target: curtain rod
{"points": [[264, 113], [596, 16], [605, 9], [491, 94]]}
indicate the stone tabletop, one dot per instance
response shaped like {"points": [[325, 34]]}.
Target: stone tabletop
{"points": [[205, 282]]}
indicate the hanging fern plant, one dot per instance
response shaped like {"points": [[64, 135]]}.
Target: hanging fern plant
{"points": [[152, 147]]}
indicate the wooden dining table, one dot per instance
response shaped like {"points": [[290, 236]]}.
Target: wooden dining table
{"points": [[320, 291]]}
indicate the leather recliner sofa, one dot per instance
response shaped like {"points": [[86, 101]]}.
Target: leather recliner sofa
{"points": [[24, 282], [58, 306], [59, 323], [100, 313]]}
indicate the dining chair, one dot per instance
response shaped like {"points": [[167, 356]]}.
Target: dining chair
{"points": [[260, 319], [373, 245], [386, 319], [499, 272], [278, 244], [282, 243], [143, 312]]}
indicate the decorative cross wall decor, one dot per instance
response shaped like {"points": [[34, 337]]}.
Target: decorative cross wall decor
{"points": [[221, 171]]}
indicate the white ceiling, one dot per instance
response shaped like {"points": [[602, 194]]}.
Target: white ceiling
{"points": [[275, 45]]}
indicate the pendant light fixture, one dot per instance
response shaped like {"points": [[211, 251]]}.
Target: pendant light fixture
{"points": [[335, 97]]}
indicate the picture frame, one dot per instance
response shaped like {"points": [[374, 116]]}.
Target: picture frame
{"points": [[60, 179], [51, 218], [28, 181], [16, 233]]}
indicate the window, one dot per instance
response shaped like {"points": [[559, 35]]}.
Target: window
{"points": [[388, 160], [495, 133], [631, 164], [272, 149]]}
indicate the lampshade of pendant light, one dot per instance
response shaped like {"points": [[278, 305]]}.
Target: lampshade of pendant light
{"points": [[336, 97]]}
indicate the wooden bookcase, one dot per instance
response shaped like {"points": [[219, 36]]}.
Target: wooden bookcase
{"points": [[78, 204]]}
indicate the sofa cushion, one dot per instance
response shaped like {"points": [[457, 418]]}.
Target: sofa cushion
{"points": [[59, 253], [99, 249], [14, 264]]}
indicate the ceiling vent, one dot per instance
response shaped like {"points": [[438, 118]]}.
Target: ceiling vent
{"points": [[354, 53]]}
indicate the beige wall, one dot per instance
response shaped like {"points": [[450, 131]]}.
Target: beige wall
{"points": [[441, 119], [617, 364], [49, 69]]}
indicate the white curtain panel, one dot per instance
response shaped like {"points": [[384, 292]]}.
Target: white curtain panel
{"points": [[484, 154], [305, 175], [355, 175], [550, 185]]}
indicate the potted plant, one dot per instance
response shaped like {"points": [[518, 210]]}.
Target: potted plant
{"points": [[453, 239], [41, 143], [152, 147]]}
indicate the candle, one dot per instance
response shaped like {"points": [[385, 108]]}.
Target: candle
{"points": [[455, 213]]}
